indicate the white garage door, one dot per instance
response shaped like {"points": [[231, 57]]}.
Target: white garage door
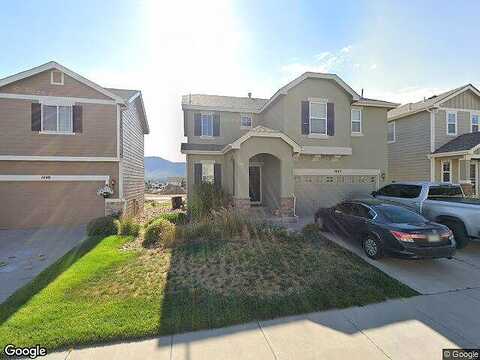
{"points": [[315, 191]]}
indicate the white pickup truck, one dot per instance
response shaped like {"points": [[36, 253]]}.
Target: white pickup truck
{"points": [[443, 203]]}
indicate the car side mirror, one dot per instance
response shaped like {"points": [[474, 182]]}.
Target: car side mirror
{"points": [[374, 193]]}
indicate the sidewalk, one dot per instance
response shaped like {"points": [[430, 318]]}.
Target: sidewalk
{"points": [[415, 328]]}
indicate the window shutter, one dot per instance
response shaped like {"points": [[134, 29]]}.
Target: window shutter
{"points": [[197, 176], [77, 118], [216, 124], [330, 119], [36, 117], [217, 175], [305, 118], [197, 119]]}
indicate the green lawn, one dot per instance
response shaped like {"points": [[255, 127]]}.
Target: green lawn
{"points": [[113, 289]]}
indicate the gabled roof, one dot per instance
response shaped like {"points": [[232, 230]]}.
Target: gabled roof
{"points": [[312, 75], [465, 142], [434, 101], [53, 65], [222, 103], [257, 105], [134, 96]]}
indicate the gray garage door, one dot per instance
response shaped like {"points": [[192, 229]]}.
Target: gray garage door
{"points": [[314, 191]]}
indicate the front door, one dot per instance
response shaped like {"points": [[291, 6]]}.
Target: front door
{"points": [[255, 184]]}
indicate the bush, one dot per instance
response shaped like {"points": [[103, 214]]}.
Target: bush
{"points": [[129, 227], [177, 218], [103, 226], [161, 232], [311, 231], [205, 198]]}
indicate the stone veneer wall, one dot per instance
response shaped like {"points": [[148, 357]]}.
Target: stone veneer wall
{"points": [[114, 206], [467, 189], [287, 205]]}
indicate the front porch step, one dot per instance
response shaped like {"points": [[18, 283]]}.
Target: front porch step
{"points": [[262, 213]]}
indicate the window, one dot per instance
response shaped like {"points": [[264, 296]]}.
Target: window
{"points": [[318, 118], [362, 211], [57, 119], [445, 191], [207, 125], [245, 121], [451, 123], [356, 115], [473, 177], [401, 191], [391, 137], [56, 77], [208, 174], [399, 215], [446, 171], [475, 122]]}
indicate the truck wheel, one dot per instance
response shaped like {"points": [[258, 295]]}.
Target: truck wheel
{"points": [[459, 232], [373, 247]]}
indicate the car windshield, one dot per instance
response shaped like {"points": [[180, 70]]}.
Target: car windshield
{"points": [[399, 215], [445, 191]]}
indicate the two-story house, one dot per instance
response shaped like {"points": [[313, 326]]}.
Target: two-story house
{"points": [[437, 139], [313, 143], [62, 138]]}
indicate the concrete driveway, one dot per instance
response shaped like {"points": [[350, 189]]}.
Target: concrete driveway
{"points": [[26, 253], [427, 276]]}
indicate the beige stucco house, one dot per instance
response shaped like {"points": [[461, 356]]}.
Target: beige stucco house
{"points": [[437, 139], [62, 138], [313, 143]]}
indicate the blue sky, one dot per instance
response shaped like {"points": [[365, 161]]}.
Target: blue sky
{"points": [[395, 50]]}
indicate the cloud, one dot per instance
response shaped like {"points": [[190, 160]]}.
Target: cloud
{"points": [[373, 66], [186, 47], [323, 62]]}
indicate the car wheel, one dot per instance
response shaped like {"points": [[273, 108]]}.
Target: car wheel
{"points": [[459, 232], [373, 247]]}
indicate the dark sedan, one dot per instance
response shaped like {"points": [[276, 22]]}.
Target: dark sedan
{"points": [[385, 228]]}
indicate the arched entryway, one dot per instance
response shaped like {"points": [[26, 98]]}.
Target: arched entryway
{"points": [[265, 181]]}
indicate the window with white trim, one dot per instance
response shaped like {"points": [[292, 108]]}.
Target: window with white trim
{"points": [[56, 77], [207, 125], [451, 123], [356, 116], [208, 174], [245, 121], [57, 119], [391, 137], [318, 118], [446, 171], [475, 122]]}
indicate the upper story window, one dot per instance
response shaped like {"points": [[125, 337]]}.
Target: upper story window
{"points": [[245, 121], [356, 116], [391, 136], [207, 125], [57, 119], [56, 77], [318, 118], [451, 123], [475, 124]]}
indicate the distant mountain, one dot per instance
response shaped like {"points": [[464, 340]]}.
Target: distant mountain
{"points": [[157, 168]]}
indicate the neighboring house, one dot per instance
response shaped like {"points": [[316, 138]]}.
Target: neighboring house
{"points": [[176, 180], [437, 139], [63, 137], [313, 143]]}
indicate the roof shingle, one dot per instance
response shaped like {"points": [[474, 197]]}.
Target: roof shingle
{"points": [[461, 143], [224, 102]]}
